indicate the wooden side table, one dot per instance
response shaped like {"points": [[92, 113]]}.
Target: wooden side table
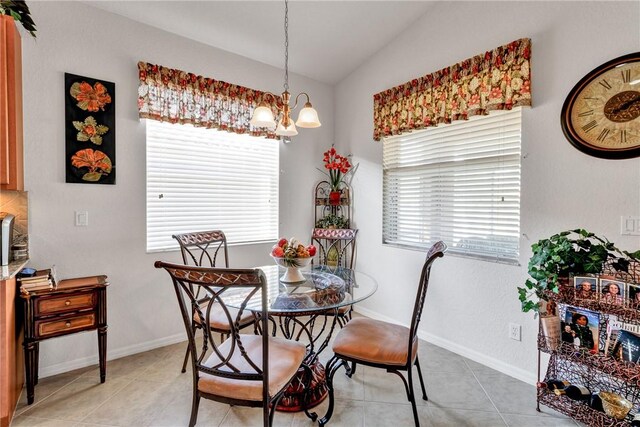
{"points": [[75, 305]]}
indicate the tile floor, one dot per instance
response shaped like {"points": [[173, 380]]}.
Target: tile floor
{"points": [[147, 389]]}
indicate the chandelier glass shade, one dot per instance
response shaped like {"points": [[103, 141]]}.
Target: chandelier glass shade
{"points": [[263, 114]]}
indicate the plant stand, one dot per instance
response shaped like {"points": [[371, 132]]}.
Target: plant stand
{"points": [[336, 245], [326, 202], [597, 372]]}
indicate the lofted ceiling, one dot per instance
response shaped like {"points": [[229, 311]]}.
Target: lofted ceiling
{"points": [[327, 39]]}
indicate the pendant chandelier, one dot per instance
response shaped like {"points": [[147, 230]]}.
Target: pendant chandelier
{"points": [[263, 115]]}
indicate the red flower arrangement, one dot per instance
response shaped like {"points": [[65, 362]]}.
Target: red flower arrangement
{"points": [[337, 165]]}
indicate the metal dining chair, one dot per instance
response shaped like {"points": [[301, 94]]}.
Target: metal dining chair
{"points": [[336, 248], [383, 345], [205, 249], [243, 370]]}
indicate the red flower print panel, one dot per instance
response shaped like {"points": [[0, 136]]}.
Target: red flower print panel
{"points": [[95, 162], [90, 121], [90, 98]]}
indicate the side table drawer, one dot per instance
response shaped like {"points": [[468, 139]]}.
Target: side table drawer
{"points": [[62, 303], [45, 328]]}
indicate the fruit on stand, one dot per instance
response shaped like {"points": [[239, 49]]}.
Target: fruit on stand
{"points": [[292, 248]]}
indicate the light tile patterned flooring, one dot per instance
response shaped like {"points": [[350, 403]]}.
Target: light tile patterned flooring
{"points": [[147, 389]]}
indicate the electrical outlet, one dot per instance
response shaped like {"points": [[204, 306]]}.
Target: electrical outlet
{"points": [[515, 331]]}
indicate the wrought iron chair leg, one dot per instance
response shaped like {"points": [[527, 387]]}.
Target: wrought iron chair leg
{"points": [[186, 359], [332, 367], [194, 409], [308, 377], [267, 417], [271, 409], [412, 398], [350, 371], [424, 391]]}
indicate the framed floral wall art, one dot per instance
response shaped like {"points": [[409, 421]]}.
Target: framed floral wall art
{"points": [[90, 130]]}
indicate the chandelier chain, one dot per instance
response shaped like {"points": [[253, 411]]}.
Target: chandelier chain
{"points": [[286, 45]]}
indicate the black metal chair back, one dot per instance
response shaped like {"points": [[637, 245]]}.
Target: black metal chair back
{"points": [[202, 248], [436, 251], [220, 283], [335, 247]]}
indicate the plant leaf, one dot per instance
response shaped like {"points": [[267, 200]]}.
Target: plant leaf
{"points": [[92, 176]]}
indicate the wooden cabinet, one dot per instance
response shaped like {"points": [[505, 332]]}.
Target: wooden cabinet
{"points": [[11, 157], [11, 363], [75, 305]]}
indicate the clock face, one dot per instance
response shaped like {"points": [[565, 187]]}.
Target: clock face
{"points": [[601, 115]]}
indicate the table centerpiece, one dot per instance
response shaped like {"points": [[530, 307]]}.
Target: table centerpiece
{"points": [[292, 255]]}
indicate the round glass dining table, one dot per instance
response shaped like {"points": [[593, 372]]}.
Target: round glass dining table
{"points": [[324, 289], [309, 311]]}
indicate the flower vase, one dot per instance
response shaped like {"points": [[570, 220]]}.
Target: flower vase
{"points": [[334, 198]]}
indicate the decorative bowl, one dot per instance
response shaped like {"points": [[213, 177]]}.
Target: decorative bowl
{"points": [[292, 274], [615, 405]]}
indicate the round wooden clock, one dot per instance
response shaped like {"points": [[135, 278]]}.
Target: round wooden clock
{"points": [[601, 115]]}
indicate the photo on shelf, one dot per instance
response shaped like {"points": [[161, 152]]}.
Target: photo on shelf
{"points": [[580, 327], [586, 288], [613, 327], [551, 331], [633, 291], [612, 292], [627, 347]]}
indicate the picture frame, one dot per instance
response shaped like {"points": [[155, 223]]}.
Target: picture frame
{"points": [[633, 295], [90, 130], [612, 291], [586, 288], [627, 347], [581, 327]]}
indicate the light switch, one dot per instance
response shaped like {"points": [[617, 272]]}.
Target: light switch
{"points": [[82, 218], [630, 225]]}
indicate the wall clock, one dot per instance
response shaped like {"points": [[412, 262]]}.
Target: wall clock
{"points": [[601, 115]]}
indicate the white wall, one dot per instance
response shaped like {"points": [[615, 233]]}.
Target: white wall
{"points": [[470, 303], [79, 39]]}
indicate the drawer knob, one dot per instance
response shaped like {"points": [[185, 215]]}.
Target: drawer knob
{"points": [[68, 324], [67, 302]]}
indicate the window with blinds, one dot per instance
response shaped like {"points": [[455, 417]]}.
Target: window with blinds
{"points": [[459, 183], [204, 179]]}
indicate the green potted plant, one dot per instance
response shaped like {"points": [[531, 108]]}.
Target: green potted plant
{"points": [[332, 221], [19, 11], [575, 251]]}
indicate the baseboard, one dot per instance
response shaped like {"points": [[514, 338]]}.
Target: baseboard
{"points": [[70, 365], [498, 365], [493, 363]]}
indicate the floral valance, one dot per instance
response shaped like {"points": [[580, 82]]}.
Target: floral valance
{"points": [[499, 79], [166, 94]]}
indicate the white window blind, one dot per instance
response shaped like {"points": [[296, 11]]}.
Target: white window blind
{"points": [[459, 183], [204, 179]]}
